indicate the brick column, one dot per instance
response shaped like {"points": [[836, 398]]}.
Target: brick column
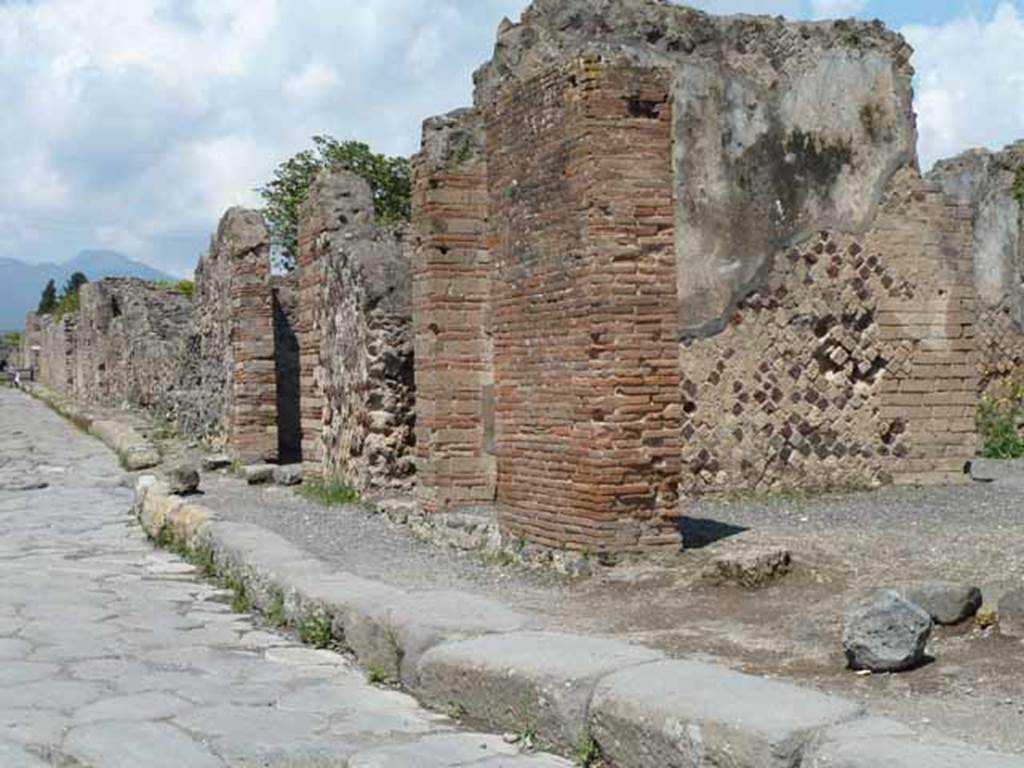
{"points": [[252, 412], [586, 350], [451, 299]]}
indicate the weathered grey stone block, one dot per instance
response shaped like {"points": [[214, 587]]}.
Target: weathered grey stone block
{"points": [[288, 475], [683, 713], [258, 474], [183, 479], [537, 680], [886, 633], [947, 602]]}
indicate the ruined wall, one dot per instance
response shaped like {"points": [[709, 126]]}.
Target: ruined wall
{"points": [[452, 299], [355, 337], [851, 365], [992, 185], [132, 345], [712, 264], [235, 340]]}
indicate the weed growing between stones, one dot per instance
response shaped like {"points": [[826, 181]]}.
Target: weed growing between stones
{"points": [[316, 630], [1018, 187], [588, 752], [329, 494], [240, 602], [275, 613], [377, 674], [999, 422]]}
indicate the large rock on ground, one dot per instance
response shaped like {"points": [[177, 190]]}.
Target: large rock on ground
{"points": [[1011, 614], [750, 569], [947, 602], [887, 633], [183, 479]]}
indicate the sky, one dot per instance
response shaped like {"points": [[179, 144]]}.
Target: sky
{"points": [[134, 125]]}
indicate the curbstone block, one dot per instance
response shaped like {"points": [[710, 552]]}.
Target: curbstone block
{"points": [[683, 713], [395, 634], [879, 743], [542, 681]]}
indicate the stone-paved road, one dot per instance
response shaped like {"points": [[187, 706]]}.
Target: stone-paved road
{"points": [[113, 654]]}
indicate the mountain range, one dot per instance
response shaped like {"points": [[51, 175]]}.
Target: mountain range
{"points": [[22, 283]]}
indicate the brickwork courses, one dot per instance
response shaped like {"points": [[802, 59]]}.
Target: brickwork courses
{"points": [[821, 330]]}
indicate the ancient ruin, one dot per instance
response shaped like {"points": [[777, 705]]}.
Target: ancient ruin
{"points": [[664, 254]]}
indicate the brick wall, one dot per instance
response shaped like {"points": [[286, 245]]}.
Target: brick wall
{"points": [[586, 368], [451, 299]]}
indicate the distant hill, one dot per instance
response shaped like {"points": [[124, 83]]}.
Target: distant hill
{"points": [[21, 283]]}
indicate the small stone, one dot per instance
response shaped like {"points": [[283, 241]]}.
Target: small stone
{"points": [[752, 569], [216, 462], [258, 474], [947, 602], [887, 633], [1011, 614], [290, 474], [183, 479]]}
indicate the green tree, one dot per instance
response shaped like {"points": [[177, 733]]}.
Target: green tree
{"points": [[388, 177], [69, 296], [48, 301]]}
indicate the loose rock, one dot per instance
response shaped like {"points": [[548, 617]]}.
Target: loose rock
{"points": [[290, 474], [216, 462], [258, 474], [183, 479], [1011, 614], [752, 569], [887, 633], [947, 602]]}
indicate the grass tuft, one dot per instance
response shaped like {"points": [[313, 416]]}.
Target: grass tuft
{"points": [[316, 630], [1000, 422], [329, 494]]}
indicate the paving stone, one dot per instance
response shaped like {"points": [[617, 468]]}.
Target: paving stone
{"points": [[13, 756], [537, 680], [689, 713], [886, 633], [130, 745], [947, 602], [119, 637]]}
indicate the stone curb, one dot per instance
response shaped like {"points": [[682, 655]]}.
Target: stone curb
{"points": [[472, 657], [135, 452]]}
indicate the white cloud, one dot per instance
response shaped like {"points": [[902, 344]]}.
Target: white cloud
{"points": [[837, 9], [138, 122], [970, 86]]}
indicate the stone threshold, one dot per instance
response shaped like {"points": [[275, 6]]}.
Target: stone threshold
{"points": [[582, 696]]}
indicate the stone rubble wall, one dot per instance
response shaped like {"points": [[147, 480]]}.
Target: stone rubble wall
{"points": [[132, 345], [355, 333], [662, 313], [985, 182], [128, 343]]}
